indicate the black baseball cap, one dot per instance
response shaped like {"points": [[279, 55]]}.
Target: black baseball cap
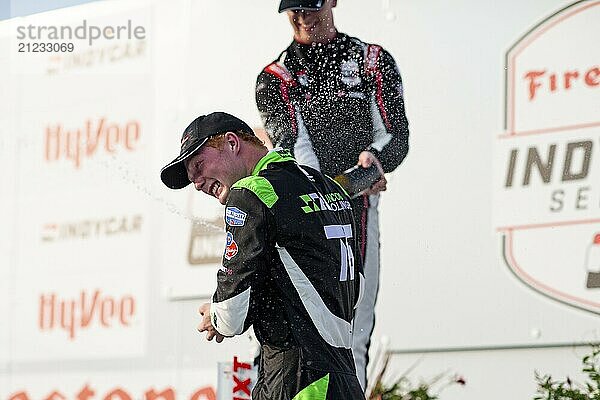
{"points": [[174, 174], [311, 5]]}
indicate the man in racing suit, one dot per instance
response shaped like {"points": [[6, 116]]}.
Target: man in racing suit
{"points": [[290, 266], [336, 101]]}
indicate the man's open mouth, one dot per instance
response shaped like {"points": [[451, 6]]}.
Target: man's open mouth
{"points": [[214, 189]]}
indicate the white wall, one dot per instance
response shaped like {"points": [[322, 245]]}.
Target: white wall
{"points": [[442, 258]]}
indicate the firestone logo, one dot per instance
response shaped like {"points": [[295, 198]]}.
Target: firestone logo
{"points": [[546, 191]]}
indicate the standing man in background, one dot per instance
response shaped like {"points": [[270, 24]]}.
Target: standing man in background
{"points": [[336, 102]]}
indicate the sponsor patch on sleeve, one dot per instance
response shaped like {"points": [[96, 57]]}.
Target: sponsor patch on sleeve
{"points": [[235, 217], [231, 247]]}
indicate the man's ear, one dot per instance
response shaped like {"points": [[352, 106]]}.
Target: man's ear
{"points": [[232, 142]]}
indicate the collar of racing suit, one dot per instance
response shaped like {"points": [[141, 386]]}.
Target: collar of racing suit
{"points": [[275, 155], [315, 54]]}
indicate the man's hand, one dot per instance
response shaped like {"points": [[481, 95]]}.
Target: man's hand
{"points": [[365, 160], [206, 324]]}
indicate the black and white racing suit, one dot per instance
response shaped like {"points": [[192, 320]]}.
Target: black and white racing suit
{"points": [[291, 269], [328, 103]]}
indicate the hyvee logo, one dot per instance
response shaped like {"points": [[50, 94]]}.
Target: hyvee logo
{"points": [[547, 162], [88, 310], [102, 135], [92, 228]]}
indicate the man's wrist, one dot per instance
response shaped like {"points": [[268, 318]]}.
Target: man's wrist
{"points": [[213, 316], [373, 151]]}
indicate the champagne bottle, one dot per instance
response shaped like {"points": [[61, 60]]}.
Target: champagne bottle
{"points": [[358, 179]]}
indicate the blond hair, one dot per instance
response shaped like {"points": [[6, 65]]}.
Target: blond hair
{"points": [[218, 141]]}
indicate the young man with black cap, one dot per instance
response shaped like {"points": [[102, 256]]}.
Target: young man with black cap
{"points": [[289, 266], [336, 102]]}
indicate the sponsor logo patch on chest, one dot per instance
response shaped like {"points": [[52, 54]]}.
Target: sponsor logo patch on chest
{"points": [[320, 202], [235, 217], [231, 247], [350, 73]]}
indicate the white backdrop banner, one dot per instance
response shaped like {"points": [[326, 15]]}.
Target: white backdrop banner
{"points": [[85, 123], [547, 192]]}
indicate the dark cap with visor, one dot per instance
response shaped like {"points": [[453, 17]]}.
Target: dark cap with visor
{"points": [[310, 5], [174, 174]]}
